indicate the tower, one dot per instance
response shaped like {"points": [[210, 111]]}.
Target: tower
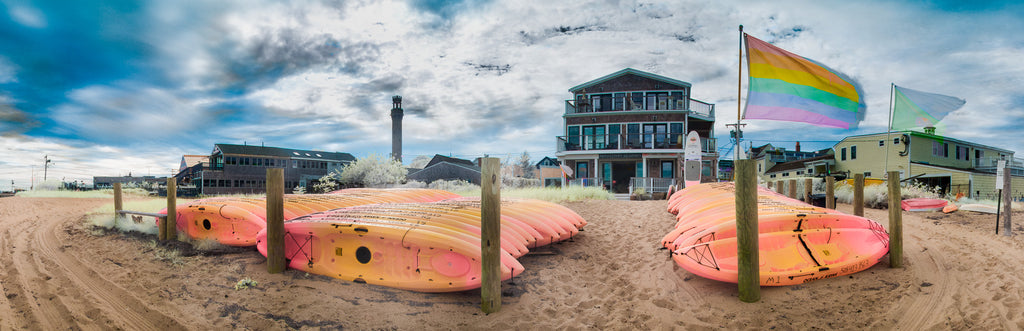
{"points": [[396, 128]]}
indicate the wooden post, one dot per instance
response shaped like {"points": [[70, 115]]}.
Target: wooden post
{"points": [[490, 234], [170, 227], [858, 194], [808, 189], [749, 280], [895, 221], [275, 220], [792, 188], [830, 192], [1007, 203], [117, 198]]}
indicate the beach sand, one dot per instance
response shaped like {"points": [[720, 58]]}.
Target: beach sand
{"points": [[59, 273]]}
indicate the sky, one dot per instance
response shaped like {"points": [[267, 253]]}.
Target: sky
{"points": [[112, 88]]}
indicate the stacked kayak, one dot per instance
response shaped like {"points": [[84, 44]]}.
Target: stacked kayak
{"points": [[797, 242], [235, 221], [427, 246]]}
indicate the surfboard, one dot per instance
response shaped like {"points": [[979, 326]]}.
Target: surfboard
{"points": [[691, 160]]}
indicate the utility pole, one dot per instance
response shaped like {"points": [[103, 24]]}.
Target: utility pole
{"points": [[46, 166]]}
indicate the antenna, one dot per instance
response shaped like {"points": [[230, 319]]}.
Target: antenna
{"points": [[46, 165]]}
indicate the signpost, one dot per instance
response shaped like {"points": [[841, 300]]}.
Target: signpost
{"points": [[1000, 168]]}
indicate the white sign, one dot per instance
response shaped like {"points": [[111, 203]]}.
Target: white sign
{"points": [[999, 174]]}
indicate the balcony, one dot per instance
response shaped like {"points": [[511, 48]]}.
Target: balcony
{"points": [[630, 142], [990, 164], [696, 108]]}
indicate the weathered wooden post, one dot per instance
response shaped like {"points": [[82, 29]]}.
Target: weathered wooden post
{"points": [[895, 221], [170, 226], [830, 192], [808, 189], [749, 281], [858, 194], [490, 234], [1007, 210], [792, 188], [275, 220], [118, 206]]}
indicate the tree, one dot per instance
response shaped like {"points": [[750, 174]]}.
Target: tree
{"points": [[525, 166], [420, 162], [372, 171]]}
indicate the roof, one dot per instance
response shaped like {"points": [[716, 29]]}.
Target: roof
{"points": [[798, 164], [447, 171], [191, 160], [281, 152], [438, 158], [547, 161], [922, 134], [628, 71]]}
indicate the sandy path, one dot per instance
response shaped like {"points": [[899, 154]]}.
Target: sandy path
{"points": [[48, 287], [59, 274]]}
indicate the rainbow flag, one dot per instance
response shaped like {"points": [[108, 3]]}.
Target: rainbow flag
{"points": [[787, 87]]}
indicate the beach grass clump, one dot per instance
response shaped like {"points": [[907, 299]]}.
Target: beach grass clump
{"points": [[104, 217], [245, 283], [170, 256]]}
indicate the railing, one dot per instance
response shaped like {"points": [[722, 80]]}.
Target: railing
{"points": [[990, 164], [586, 182], [651, 184], [697, 107], [629, 141]]}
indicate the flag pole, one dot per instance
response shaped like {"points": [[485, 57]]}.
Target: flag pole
{"points": [[739, 96], [888, 131]]}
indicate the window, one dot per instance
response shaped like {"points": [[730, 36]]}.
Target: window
{"points": [[853, 152], [895, 141], [785, 174], [581, 170], [810, 170], [963, 153], [842, 154], [867, 174], [798, 172], [619, 101], [574, 138], [881, 143], [606, 173], [633, 136], [773, 176], [636, 101], [613, 136], [936, 148], [666, 169]]}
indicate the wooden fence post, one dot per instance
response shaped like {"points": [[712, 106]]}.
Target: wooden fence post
{"points": [[749, 278], [808, 189], [170, 228], [1007, 202], [275, 220], [830, 192], [895, 221], [858, 194], [490, 234], [117, 198]]}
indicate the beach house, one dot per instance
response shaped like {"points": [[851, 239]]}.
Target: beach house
{"points": [[952, 165], [629, 126]]}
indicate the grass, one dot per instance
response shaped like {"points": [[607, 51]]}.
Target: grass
{"points": [[877, 196]]}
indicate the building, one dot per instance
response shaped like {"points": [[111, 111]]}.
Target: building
{"points": [[954, 165], [768, 156], [241, 169], [549, 172], [447, 168], [633, 124]]}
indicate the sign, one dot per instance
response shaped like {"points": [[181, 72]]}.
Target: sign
{"points": [[1000, 168]]}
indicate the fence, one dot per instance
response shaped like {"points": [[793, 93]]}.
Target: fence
{"points": [[651, 184]]}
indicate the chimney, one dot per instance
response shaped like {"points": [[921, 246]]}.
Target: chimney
{"points": [[798, 146], [929, 130], [396, 128]]}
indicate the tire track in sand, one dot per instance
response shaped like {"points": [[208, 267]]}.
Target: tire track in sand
{"points": [[40, 249]]}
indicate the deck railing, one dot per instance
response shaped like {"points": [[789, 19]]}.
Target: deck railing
{"points": [[629, 141]]}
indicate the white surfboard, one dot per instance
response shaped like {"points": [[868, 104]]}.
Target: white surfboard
{"points": [[691, 160]]}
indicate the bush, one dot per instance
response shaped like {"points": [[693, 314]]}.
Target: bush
{"points": [[371, 171]]}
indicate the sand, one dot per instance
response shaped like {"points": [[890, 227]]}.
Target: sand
{"points": [[59, 273]]}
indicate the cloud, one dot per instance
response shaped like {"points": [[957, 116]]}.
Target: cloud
{"points": [[26, 15]]}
